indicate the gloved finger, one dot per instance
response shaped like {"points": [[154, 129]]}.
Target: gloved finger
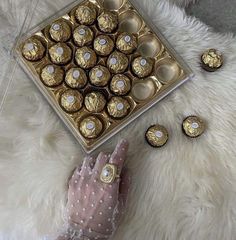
{"points": [[88, 164], [101, 161], [119, 155], [125, 184], [74, 174]]}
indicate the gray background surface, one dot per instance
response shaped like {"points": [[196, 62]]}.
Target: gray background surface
{"points": [[220, 14]]}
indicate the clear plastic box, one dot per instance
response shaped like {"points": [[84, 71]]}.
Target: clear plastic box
{"points": [[169, 72]]}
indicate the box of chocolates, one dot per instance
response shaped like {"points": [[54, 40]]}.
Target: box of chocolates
{"points": [[100, 64]]}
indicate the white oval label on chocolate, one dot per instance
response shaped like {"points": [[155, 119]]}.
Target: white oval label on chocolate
{"points": [[158, 134], [70, 99], [76, 74], [56, 27], [29, 46], [113, 61], [99, 73], [50, 69], [102, 41], [127, 39], [87, 56], [120, 84], [120, 106], [90, 125], [143, 62], [60, 50], [195, 125], [82, 31]]}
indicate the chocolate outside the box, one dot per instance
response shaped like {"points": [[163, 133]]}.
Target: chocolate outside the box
{"points": [[33, 49], [127, 43], [120, 85], [156, 136], [60, 31], [83, 35], [85, 57], [118, 107], [99, 76], [71, 101], [95, 102], [52, 75], [86, 14], [107, 21], [142, 66], [60, 53], [117, 62], [91, 127], [76, 78], [103, 45], [193, 126], [212, 60]]}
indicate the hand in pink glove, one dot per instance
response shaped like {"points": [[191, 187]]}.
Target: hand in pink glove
{"points": [[94, 208]]}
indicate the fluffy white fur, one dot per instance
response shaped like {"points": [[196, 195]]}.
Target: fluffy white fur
{"points": [[183, 191], [182, 3]]}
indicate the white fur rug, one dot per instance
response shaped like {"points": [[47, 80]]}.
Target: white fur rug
{"points": [[183, 191]]}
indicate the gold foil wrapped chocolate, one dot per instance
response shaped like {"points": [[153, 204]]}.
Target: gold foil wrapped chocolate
{"points": [[120, 84], [33, 49], [83, 35], [60, 31], [91, 127], [108, 21], [126, 43], [71, 101], [60, 53], [86, 14], [118, 107], [85, 57], [99, 76], [156, 136], [95, 102], [76, 78], [193, 126], [117, 62], [103, 45], [212, 60], [142, 66], [52, 75]]}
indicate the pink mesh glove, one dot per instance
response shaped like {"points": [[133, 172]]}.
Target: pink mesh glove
{"points": [[94, 208]]}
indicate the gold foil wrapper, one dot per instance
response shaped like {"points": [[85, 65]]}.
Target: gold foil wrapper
{"points": [[83, 35], [91, 127], [76, 78], [52, 75], [103, 45], [193, 126], [117, 62], [108, 21], [95, 102], [126, 43], [86, 14], [85, 57], [60, 53], [71, 101], [60, 31], [212, 60], [120, 84], [142, 66], [157, 136], [99, 76], [33, 49], [118, 107]]}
